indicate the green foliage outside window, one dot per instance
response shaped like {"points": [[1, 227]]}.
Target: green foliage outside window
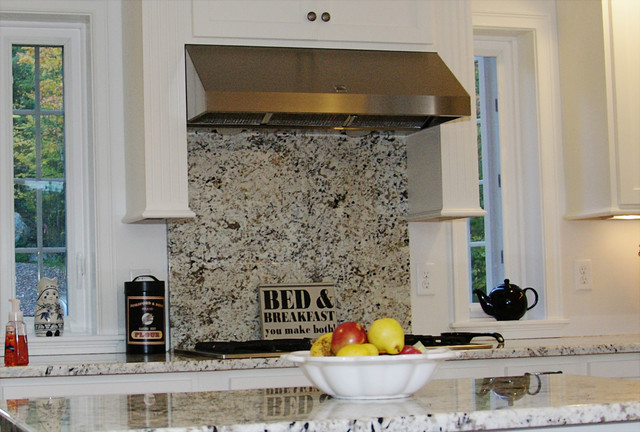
{"points": [[478, 261], [39, 169]]}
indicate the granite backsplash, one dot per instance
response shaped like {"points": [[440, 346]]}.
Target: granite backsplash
{"points": [[288, 207]]}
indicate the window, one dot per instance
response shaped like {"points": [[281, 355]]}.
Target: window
{"points": [[46, 205], [39, 171], [509, 170], [485, 233], [100, 249]]}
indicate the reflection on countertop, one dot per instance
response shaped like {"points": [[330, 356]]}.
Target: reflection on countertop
{"points": [[461, 404], [116, 364]]}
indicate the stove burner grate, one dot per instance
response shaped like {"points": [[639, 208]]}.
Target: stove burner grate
{"points": [[275, 347]]}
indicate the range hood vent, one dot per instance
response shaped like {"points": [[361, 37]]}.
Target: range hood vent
{"points": [[254, 87]]}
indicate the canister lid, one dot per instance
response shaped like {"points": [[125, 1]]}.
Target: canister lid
{"points": [[153, 286]]}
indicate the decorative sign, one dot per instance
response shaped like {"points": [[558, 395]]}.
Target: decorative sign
{"points": [[283, 403], [297, 311]]}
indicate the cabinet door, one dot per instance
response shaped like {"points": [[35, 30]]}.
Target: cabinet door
{"points": [[602, 143], [274, 378], [624, 70], [377, 21], [260, 19], [616, 366], [399, 21], [17, 388]]}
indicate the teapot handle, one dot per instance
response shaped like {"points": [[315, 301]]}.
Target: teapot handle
{"points": [[535, 294], [537, 390]]}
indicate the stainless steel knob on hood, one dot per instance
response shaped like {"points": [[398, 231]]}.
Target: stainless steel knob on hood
{"points": [[326, 16], [311, 16]]}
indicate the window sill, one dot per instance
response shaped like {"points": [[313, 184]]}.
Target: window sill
{"points": [[526, 329], [70, 344]]}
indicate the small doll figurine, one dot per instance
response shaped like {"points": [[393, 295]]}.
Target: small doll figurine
{"points": [[49, 318], [50, 412]]}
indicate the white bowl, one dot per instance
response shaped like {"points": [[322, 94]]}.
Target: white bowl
{"points": [[370, 377]]}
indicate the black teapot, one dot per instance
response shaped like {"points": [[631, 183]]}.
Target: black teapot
{"points": [[506, 301], [510, 388]]}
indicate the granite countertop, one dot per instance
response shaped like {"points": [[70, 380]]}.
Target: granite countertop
{"points": [[460, 405], [115, 364]]}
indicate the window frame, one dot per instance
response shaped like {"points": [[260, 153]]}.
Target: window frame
{"points": [[120, 250], [79, 212], [533, 236]]}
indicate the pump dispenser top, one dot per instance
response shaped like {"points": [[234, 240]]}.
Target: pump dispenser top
{"points": [[16, 313]]}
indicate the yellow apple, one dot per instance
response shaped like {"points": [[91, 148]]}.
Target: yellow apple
{"points": [[355, 350], [387, 335]]}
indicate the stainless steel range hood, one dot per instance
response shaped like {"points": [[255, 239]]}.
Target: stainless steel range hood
{"points": [[248, 87]]}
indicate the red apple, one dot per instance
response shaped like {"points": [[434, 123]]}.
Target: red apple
{"points": [[347, 333], [410, 349]]}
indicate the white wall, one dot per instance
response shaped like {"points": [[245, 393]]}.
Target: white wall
{"points": [[613, 305]]}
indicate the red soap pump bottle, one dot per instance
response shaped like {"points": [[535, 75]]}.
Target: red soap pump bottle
{"points": [[16, 351]]}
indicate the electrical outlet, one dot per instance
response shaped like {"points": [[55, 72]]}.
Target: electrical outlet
{"points": [[426, 279], [582, 274]]}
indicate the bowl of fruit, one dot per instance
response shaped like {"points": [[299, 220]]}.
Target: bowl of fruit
{"points": [[353, 363]]}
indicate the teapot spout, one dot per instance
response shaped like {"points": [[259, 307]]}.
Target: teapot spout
{"points": [[485, 303]]}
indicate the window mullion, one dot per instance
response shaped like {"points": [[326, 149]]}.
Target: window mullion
{"points": [[38, 161]]}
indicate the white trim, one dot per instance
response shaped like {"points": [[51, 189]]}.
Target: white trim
{"points": [[7, 234], [447, 214], [75, 345], [598, 213], [514, 199], [523, 329], [105, 114], [491, 169]]}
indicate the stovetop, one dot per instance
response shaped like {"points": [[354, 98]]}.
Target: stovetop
{"points": [[277, 347]]}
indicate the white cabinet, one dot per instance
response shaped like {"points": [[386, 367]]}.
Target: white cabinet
{"points": [[16, 388], [154, 112], [600, 92], [154, 35], [612, 367], [377, 21], [624, 365]]}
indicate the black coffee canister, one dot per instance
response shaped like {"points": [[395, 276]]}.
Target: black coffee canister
{"points": [[145, 309]]}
